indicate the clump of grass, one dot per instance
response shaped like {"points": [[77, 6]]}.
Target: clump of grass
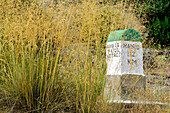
{"points": [[53, 58], [30, 80]]}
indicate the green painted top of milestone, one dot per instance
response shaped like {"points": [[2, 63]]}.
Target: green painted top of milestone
{"points": [[125, 35]]}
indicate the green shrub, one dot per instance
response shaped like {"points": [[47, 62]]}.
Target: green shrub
{"points": [[157, 13]]}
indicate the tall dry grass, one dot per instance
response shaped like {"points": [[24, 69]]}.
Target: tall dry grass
{"points": [[52, 58]]}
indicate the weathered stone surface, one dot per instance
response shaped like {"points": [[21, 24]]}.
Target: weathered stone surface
{"points": [[125, 87]]}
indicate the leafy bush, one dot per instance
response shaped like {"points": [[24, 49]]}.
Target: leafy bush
{"points": [[157, 12]]}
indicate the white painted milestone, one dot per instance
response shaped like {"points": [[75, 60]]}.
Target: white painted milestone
{"points": [[124, 57]]}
